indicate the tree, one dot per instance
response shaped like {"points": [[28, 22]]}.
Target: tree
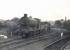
{"points": [[58, 23], [2, 25], [66, 25], [15, 19]]}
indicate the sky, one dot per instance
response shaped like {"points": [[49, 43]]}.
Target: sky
{"points": [[43, 9]]}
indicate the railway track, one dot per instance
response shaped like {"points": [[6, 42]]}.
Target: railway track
{"points": [[58, 45], [15, 43], [19, 42], [9, 40]]}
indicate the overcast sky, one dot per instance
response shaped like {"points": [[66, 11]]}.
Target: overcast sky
{"points": [[43, 9]]}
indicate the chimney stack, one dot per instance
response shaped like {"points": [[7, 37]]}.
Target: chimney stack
{"points": [[25, 15]]}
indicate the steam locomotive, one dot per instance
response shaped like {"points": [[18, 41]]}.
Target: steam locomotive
{"points": [[28, 27]]}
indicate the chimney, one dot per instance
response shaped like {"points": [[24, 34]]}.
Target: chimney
{"points": [[25, 15]]}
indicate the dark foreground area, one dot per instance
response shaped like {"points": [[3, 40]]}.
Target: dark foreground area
{"points": [[58, 45]]}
